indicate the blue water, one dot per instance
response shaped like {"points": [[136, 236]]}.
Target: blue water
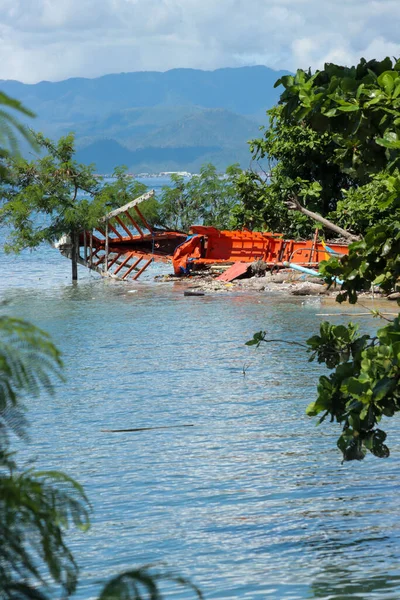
{"points": [[252, 501]]}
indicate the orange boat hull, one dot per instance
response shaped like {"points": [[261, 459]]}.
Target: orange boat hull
{"points": [[208, 245]]}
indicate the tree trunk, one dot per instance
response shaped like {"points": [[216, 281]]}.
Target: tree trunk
{"points": [[106, 249], [74, 255], [294, 204]]}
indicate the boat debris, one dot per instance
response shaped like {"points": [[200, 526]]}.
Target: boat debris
{"points": [[193, 293], [124, 244], [233, 272]]}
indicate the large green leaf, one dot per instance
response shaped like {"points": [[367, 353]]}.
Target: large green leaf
{"points": [[387, 81]]}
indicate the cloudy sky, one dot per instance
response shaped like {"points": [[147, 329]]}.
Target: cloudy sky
{"points": [[56, 39]]}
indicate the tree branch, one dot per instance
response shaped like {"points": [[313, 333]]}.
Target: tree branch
{"points": [[293, 204]]}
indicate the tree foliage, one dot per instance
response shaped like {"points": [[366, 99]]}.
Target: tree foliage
{"points": [[54, 195], [145, 584], [206, 199], [12, 130], [301, 163], [49, 196], [122, 189], [363, 206], [359, 108], [363, 386], [28, 363], [36, 508]]}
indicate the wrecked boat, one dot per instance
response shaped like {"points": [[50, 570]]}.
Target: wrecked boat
{"points": [[124, 244]]}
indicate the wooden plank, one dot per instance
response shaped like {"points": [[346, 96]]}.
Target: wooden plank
{"points": [[124, 227], [125, 275], [145, 223], [234, 271], [132, 220], [91, 249], [115, 231], [314, 246], [106, 249], [142, 269], [123, 263], [100, 261], [113, 261], [103, 233], [127, 206], [92, 256]]}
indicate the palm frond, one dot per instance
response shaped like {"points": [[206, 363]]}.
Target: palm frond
{"points": [[144, 584], [35, 510], [9, 124], [29, 363]]}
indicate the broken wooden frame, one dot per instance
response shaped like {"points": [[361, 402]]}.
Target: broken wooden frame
{"points": [[124, 244]]}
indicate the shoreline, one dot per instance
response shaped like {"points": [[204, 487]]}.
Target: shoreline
{"points": [[286, 283]]}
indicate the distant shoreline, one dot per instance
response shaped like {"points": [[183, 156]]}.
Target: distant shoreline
{"points": [[150, 175]]}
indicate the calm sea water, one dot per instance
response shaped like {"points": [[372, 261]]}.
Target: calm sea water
{"points": [[252, 501]]}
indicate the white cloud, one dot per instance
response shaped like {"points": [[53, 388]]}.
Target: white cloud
{"points": [[54, 39]]}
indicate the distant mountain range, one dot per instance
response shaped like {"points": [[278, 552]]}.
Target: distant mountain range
{"points": [[153, 121]]}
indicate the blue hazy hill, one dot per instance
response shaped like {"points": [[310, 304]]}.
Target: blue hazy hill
{"points": [[178, 119]]}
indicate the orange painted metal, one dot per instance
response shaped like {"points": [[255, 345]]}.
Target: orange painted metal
{"points": [[210, 245], [118, 248], [115, 231], [234, 272], [205, 246], [124, 262], [124, 227], [120, 242]]}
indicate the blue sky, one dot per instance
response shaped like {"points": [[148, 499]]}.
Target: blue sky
{"points": [[57, 39]]}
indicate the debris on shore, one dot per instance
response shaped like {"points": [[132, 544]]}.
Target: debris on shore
{"points": [[284, 281], [259, 279]]}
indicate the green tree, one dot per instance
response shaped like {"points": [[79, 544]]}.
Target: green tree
{"points": [[124, 188], [363, 206], [176, 209], [36, 508], [300, 163], [206, 199], [54, 195], [359, 107]]}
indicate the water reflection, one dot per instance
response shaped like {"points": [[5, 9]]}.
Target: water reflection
{"points": [[342, 584]]}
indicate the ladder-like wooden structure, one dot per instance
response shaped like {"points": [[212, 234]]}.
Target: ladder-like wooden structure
{"points": [[124, 244]]}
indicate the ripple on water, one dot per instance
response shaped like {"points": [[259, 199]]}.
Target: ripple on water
{"points": [[252, 502]]}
